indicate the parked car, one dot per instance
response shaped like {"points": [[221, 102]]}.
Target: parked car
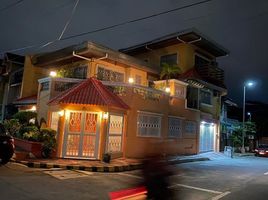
{"points": [[262, 150], [6, 146]]}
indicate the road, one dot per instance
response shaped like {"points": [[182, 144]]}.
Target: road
{"points": [[221, 178]]}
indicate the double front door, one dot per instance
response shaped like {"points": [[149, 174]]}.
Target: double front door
{"points": [[81, 137]]}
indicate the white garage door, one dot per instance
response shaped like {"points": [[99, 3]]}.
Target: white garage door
{"points": [[206, 142]]}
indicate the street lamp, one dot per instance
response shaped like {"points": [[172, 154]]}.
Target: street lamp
{"points": [[249, 116], [247, 84]]}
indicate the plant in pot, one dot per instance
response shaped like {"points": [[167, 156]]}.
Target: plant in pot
{"points": [[107, 157]]}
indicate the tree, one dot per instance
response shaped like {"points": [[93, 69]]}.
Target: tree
{"points": [[237, 135], [168, 71]]}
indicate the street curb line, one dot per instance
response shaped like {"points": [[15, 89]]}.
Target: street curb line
{"points": [[105, 169]]}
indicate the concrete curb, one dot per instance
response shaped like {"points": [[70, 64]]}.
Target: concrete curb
{"points": [[106, 169]]}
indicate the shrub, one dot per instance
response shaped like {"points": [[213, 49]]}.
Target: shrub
{"points": [[24, 117], [30, 133], [48, 137], [12, 127]]}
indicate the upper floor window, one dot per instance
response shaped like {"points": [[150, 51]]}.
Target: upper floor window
{"points": [[79, 72], [206, 97], [109, 75], [138, 80], [170, 59]]}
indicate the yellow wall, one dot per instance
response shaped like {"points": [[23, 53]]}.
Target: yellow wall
{"points": [[31, 74], [186, 55], [137, 146]]}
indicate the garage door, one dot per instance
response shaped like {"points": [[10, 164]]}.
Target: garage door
{"points": [[206, 142]]}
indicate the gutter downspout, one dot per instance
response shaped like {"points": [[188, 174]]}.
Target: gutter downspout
{"points": [[90, 59]]}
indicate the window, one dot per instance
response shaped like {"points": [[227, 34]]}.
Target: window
{"points": [[149, 125], [109, 75], [190, 127], [170, 59], [54, 121], [206, 97], [80, 72], [115, 133], [174, 127], [192, 97], [44, 86], [138, 80]]}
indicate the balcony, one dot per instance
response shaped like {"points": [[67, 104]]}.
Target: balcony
{"points": [[211, 73], [16, 77]]}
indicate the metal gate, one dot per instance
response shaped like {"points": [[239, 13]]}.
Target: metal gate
{"points": [[81, 135], [206, 140]]}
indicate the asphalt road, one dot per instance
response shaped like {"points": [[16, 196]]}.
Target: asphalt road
{"points": [[221, 178]]}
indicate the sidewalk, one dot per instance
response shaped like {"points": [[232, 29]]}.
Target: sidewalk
{"points": [[116, 165]]}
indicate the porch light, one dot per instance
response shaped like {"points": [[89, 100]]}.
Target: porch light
{"points": [[53, 74], [167, 89], [33, 108], [131, 80], [105, 115], [61, 113]]}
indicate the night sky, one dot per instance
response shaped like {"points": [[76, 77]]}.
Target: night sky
{"points": [[241, 26]]}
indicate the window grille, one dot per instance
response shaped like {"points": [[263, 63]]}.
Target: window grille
{"points": [[44, 86], [174, 127], [115, 133], [109, 75], [149, 125], [190, 127]]}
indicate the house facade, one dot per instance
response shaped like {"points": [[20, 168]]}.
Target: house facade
{"points": [[195, 55], [104, 101]]}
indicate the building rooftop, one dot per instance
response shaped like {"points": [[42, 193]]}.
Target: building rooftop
{"points": [[191, 36]]}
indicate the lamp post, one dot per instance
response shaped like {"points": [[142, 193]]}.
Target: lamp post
{"points": [[249, 116], [247, 84]]}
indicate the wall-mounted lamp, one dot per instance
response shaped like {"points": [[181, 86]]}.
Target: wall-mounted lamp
{"points": [[131, 80], [53, 74], [33, 108], [105, 115], [167, 89], [61, 113]]}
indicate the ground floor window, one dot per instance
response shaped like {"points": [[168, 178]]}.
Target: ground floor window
{"points": [[174, 127], [149, 124], [54, 121]]}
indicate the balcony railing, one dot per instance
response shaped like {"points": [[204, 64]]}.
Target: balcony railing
{"points": [[211, 72], [120, 88]]}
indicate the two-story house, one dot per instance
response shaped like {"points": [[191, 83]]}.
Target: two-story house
{"points": [[104, 101]]}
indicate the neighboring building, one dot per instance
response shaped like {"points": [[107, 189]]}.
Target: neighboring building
{"points": [[103, 101], [228, 124], [195, 55], [11, 73]]}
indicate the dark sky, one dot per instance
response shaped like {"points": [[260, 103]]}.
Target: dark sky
{"points": [[241, 26]]}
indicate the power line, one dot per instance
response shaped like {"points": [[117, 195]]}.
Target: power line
{"points": [[135, 20], [64, 28], [11, 5], [108, 27]]}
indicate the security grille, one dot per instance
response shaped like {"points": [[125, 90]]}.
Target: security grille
{"points": [[149, 125], [174, 127]]}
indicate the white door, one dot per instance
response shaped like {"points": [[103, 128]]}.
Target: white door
{"points": [[206, 140], [81, 135]]}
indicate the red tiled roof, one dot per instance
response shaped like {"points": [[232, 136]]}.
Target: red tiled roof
{"points": [[26, 100], [89, 92]]}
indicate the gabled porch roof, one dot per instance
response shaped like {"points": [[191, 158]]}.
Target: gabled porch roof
{"points": [[89, 92]]}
